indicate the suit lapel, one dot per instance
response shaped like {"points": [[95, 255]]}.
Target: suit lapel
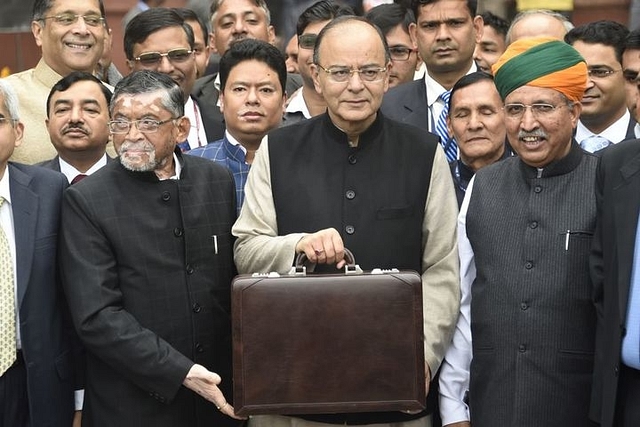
{"points": [[631, 129], [418, 105], [25, 213], [626, 220]]}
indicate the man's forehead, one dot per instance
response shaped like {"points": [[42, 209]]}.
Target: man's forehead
{"points": [[75, 5], [157, 39], [237, 7]]}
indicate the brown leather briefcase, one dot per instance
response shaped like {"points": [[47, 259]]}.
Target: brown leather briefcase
{"points": [[328, 343]]}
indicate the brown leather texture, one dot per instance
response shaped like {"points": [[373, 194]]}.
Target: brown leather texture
{"points": [[328, 343]]}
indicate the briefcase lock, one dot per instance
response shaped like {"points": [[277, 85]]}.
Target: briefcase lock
{"points": [[300, 269]]}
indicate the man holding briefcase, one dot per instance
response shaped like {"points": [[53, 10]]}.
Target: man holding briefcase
{"points": [[351, 177]]}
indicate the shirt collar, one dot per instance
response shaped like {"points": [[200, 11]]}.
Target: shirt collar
{"points": [[614, 133], [435, 89], [71, 172], [234, 141], [297, 105], [5, 190]]}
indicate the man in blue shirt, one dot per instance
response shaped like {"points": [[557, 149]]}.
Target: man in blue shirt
{"points": [[253, 75]]}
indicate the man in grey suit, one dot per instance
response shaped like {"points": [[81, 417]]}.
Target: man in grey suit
{"points": [[146, 260], [40, 351], [524, 234], [77, 120]]}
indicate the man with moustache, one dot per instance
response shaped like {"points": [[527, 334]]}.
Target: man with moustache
{"points": [[71, 34], [159, 39], [146, 263], [476, 121], [307, 102], [446, 32], [522, 354], [233, 20], [77, 121], [605, 119], [252, 78], [376, 186]]}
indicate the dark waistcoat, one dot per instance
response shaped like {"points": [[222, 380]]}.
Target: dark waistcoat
{"points": [[532, 317], [373, 194]]}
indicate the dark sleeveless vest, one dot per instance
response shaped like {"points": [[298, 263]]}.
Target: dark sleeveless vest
{"points": [[532, 317], [374, 195]]}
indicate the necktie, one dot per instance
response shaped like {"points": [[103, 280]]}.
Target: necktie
{"points": [[78, 178], [594, 143], [7, 305], [448, 143]]}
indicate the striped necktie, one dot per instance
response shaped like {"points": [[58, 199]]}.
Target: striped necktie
{"points": [[594, 143], [448, 143], [7, 305]]}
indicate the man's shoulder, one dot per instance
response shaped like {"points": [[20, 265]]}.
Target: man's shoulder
{"points": [[203, 165], [211, 151], [36, 176], [204, 84], [622, 153], [401, 93]]}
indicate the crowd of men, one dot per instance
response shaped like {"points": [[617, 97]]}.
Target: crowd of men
{"points": [[501, 161]]}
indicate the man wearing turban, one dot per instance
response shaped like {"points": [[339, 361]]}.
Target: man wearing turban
{"points": [[522, 354]]}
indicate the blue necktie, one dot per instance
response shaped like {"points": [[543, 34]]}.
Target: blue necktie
{"points": [[448, 143], [594, 143]]}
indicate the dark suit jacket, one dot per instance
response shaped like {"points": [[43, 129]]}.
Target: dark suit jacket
{"points": [[149, 293], [54, 164], [618, 202], [407, 103], [47, 336], [206, 95]]}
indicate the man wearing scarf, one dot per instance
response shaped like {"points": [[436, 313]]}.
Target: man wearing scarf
{"points": [[524, 230]]}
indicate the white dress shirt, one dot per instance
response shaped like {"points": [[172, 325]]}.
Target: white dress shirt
{"points": [[614, 133], [454, 372], [71, 172]]}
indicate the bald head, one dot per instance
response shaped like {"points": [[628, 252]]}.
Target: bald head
{"points": [[538, 23]]}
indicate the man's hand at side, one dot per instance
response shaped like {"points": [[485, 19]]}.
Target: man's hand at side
{"points": [[205, 383]]}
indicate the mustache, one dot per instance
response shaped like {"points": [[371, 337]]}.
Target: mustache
{"points": [[74, 127], [143, 145], [538, 133]]}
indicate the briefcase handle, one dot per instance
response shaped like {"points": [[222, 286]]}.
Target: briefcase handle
{"points": [[350, 268]]}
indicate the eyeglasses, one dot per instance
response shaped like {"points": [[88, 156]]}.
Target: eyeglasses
{"points": [[143, 125], [4, 120], [539, 110], [630, 76], [601, 73], [174, 55], [307, 41], [69, 18], [400, 53], [343, 74]]}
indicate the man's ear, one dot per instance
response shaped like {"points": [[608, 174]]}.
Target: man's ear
{"points": [[36, 30]]}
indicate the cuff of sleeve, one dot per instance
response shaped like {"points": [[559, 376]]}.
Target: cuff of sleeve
{"points": [[453, 411], [79, 399]]}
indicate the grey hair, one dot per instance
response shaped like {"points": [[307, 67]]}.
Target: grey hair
{"points": [[568, 26], [10, 100], [215, 5], [145, 81]]}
